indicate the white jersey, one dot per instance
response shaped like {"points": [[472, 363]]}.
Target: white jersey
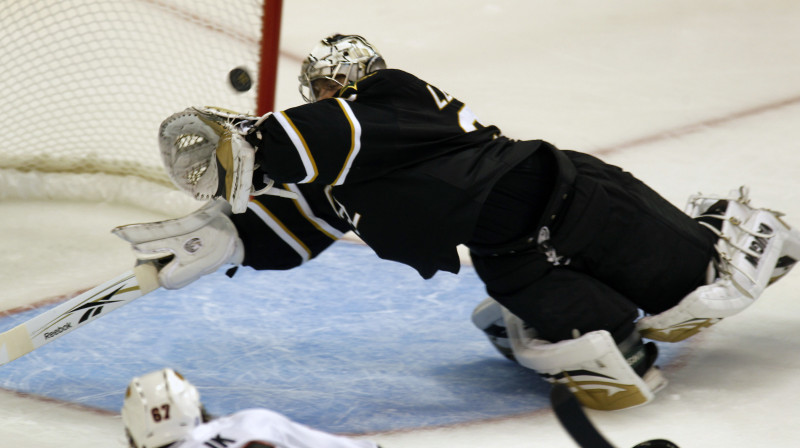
{"points": [[262, 428]]}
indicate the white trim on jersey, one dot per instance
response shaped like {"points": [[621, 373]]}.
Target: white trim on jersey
{"points": [[280, 230], [355, 145], [300, 145], [305, 209]]}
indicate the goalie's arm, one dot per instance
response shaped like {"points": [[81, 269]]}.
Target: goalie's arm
{"points": [[210, 153], [281, 233], [274, 232]]}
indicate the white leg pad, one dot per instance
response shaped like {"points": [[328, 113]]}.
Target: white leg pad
{"points": [[591, 365], [755, 248], [789, 255], [702, 308], [750, 251]]}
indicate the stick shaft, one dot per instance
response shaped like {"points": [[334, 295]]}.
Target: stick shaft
{"points": [[77, 311]]}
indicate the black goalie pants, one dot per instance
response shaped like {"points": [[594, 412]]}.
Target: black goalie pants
{"points": [[623, 248]]}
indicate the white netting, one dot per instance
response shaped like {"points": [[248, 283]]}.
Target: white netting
{"points": [[86, 83]]}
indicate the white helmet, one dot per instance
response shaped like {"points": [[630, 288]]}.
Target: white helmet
{"points": [[348, 55], [160, 408]]}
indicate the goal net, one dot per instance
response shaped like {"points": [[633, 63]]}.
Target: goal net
{"points": [[86, 83]]}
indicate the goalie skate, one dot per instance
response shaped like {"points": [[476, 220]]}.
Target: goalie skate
{"points": [[488, 317]]}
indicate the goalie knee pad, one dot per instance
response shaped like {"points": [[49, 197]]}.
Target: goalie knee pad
{"points": [[601, 374], [755, 248]]}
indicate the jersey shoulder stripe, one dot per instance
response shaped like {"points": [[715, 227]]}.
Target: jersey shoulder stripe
{"points": [[355, 144], [300, 145]]}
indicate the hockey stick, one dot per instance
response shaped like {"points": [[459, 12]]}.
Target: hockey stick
{"points": [[81, 309], [575, 421], [571, 416]]}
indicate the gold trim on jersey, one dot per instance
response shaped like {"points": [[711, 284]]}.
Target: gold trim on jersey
{"points": [[300, 145], [353, 86], [280, 229], [305, 210], [355, 141]]}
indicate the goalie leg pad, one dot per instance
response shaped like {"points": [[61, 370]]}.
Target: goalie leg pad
{"points": [[755, 248], [199, 243], [749, 250], [702, 308], [788, 257], [754, 243], [592, 365]]}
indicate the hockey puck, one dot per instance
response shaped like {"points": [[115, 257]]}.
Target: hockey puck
{"points": [[240, 79]]}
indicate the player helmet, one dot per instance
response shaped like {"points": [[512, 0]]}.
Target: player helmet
{"points": [[160, 408], [348, 55]]}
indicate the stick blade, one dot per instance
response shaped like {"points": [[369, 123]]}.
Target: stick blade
{"points": [[15, 343]]}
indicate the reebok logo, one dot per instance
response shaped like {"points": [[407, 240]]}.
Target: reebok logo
{"points": [[94, 308], [57, 331]]}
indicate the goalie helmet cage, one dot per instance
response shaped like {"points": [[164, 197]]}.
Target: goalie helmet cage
{"points": [[86, 84]]}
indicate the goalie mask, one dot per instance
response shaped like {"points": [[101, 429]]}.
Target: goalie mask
{"points": [[338, 59], [160, 408]]}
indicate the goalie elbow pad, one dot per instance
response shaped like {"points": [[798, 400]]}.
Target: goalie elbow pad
{"points": [[198, 244]]}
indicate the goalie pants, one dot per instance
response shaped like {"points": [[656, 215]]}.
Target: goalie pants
{"points": [[615, 246]]}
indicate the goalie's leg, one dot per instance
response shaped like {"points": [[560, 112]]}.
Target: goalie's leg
{"points": [[755, 248], [602, 373], [598, 353]]}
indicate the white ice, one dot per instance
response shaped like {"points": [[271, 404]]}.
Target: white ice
{"points": [[688, 95]]}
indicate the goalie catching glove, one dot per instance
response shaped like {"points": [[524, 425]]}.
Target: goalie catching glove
{"points": [[193, 246], [205, 154]]}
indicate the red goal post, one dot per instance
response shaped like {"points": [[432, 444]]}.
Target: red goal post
{"points": [[86, 83]]}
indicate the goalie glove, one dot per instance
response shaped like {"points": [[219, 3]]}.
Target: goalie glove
{"points": [[205, 153], [192, 246]]}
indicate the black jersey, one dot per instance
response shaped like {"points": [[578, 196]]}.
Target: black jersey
{"points": [[281, 233], [404, 163]]}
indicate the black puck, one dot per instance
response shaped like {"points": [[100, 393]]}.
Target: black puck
{"points": [[240, 79]]}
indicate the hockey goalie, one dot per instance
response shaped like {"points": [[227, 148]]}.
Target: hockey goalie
{"points": [[572, 250]]}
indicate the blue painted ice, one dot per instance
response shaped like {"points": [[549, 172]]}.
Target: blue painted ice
{"points": [[346, 343]]}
